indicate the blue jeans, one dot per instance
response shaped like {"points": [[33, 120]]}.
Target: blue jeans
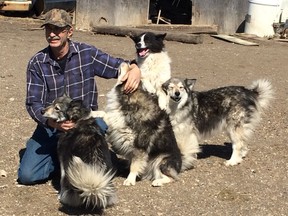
{"points": [[40, 158]]}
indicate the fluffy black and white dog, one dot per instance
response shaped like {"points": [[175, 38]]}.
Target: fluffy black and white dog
{"points": [[234, 109], [154, 63], [85, 161], [142, 133]]}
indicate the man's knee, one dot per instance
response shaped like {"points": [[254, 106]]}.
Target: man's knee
{"points": [[26, 177]]}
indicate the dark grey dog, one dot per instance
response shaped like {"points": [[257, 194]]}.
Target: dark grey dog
{"points": [[142, 133], [233, 109], [85, 161]]}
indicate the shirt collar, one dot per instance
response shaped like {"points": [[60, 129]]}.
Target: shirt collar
{"points": [[72, 51]]}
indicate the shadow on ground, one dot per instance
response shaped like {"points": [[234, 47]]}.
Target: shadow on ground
{"points": [[221, 151]]}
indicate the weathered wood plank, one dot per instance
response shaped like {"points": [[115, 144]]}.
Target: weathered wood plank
{"points": [[191, 29], [235, 40], [126, 31]]}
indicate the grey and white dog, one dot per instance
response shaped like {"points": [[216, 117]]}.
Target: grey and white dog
{"points": [[233, 109], [85, 160]]}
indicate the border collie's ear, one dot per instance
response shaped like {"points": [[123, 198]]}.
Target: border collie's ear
{"points": [[189, 83], [161, 36], [133, 37], [165, 86]]}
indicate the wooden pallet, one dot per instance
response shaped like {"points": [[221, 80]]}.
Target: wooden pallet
{"points": [[235, 40]]}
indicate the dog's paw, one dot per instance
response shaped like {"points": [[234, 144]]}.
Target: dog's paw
{"points": [[159, 182], [162, 106], [123, 69], [147, 86], [128, 182], [149, 89], [131, 179], [163, 100], [233, 162]]}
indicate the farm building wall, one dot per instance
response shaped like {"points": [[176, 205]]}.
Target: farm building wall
{"points": [[229, 15], [111, 12]]}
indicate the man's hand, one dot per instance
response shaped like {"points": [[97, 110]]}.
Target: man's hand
{"points": [[62, 126], [133, 77]]}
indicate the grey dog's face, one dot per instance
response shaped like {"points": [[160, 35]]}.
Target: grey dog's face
{"points": [[57, 110], [177, 88]]}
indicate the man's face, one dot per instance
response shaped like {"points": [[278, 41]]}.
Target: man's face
{"points": [[57, 36]]}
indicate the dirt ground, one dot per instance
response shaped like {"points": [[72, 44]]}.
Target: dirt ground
{"points": [[259, 186]]}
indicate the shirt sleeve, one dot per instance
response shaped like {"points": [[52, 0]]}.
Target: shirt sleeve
{"points": [[105, 65], [35, 93]]}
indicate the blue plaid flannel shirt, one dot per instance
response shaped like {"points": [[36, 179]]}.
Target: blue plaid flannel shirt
{"points": [[46, 81]]}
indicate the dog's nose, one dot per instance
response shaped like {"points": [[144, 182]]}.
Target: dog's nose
{"points": [[177, 93]]}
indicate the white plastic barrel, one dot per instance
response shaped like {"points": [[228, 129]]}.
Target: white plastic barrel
{"points": [[284, 9], [261, 16]]}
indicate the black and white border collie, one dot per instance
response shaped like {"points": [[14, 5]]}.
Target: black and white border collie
{"points": [[154, 63]]}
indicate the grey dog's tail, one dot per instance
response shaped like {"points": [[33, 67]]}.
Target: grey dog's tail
{"points": [[93, 183], [265, 93]]}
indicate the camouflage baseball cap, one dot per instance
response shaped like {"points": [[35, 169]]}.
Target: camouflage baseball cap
{"points": [[58, 17]]}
